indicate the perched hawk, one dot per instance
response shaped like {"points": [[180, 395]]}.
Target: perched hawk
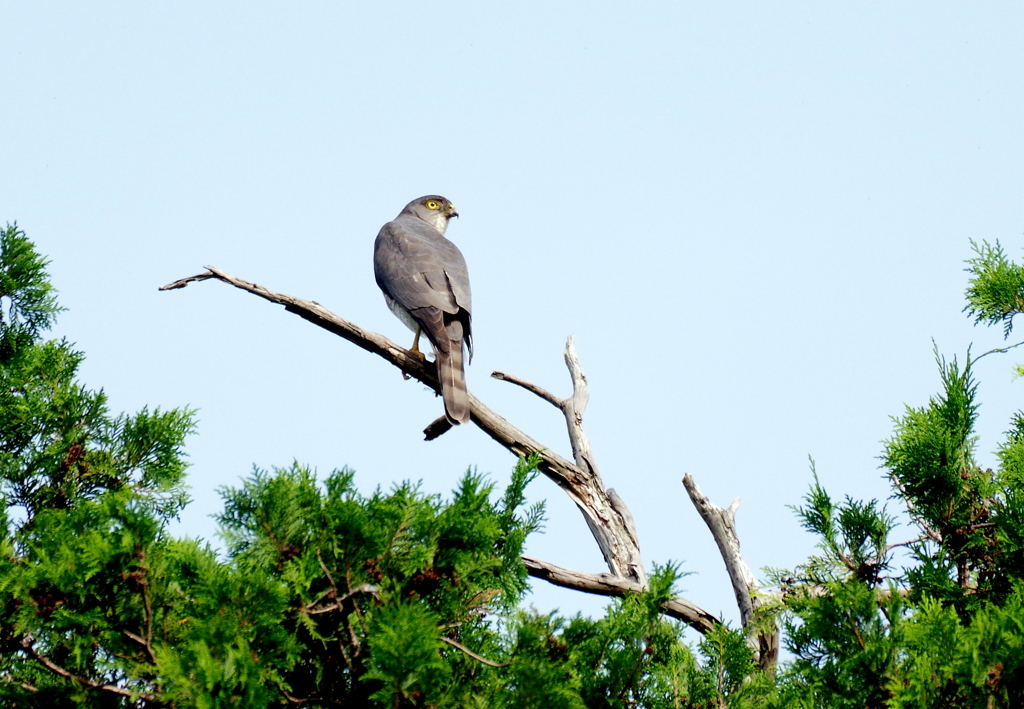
{"points": [[426, 284]]}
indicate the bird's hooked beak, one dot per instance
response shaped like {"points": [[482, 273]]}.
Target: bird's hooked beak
{"points": [[452, 212]]}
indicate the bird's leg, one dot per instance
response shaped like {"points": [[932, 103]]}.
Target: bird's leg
{"points": [[415, 349]]}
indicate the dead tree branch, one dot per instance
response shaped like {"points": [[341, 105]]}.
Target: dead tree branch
{"points": [[608, 585], [722, 524], [605, 513], [530, 387], [478, 658], [793, 589], [24, 685], [614, 508]]}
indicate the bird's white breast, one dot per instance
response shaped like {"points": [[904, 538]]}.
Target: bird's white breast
{"points": [[401, 313]]}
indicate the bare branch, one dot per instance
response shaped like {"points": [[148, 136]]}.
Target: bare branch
{"points": [[182, 282], [531, 387], [322, 317], [472, 654], [305, 700], [24, 685], [574, 407], [722, 524], [608, 585], [616, 528], [882, 595], [437, 428], [26, 643], [932, 534], [908, 542]]}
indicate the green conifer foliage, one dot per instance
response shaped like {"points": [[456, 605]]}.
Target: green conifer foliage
{"points": [[86, 497], [942, 628]]}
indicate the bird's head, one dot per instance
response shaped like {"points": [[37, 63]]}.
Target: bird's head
{"points": [[434, 209]]}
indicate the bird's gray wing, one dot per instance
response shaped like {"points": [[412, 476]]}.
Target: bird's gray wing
{"points": [[418, 268]]}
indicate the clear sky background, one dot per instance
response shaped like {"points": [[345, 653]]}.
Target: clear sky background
{"points": [[753, 216]]}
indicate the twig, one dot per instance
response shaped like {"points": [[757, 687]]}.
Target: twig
{"points": [[26, 643], [856, 631], [932, 534], [530, 387], [148, 644], [24, 685], [326, 572], [367, 589], [998, 350], [472, 654], [304, 700], [137, 638], [907, 543], [182, 282]]}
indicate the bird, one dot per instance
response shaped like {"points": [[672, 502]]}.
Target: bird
{"points": [[425, 283]]}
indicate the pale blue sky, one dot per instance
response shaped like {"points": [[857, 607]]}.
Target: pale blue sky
{"points": [[753, 216]]}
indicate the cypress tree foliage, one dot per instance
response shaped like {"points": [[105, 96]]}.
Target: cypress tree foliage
{"points": [[86, 496], [944, 627], [994, 295], [384, 599]]}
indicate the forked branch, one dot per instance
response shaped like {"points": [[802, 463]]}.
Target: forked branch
{"points": [[572, 408]]}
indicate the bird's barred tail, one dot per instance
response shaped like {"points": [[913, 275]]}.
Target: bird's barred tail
{"points": [[453, 383]]}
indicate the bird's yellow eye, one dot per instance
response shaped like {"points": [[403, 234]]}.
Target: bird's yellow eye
{"points": [[432, 204]]}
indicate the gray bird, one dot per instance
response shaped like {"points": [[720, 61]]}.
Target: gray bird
{"points": [[426, 285]]}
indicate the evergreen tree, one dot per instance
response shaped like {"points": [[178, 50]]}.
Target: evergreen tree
{"points": [[943, 628]]}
